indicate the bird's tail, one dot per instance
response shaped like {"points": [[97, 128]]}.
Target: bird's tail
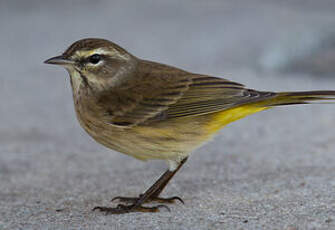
{"points": [[303, 97], [270, 100]]}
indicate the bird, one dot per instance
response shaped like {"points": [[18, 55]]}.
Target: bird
{"points": [[150, 110]]}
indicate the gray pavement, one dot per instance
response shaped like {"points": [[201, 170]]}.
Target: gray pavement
{"points": [[272, 170]]}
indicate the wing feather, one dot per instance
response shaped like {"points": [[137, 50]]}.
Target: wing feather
{"points": [[171, 93], [211, 94]]}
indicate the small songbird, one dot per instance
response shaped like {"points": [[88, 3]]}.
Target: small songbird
{"points": [[150, 110]]}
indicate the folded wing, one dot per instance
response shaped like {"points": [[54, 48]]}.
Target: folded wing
{"points": [[177, 94]]}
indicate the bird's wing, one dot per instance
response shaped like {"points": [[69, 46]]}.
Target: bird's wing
{"points": [[210, 94], [154, 99], [145, 100]]}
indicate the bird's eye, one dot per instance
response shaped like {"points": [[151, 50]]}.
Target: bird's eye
{"points": [[95, 58]]}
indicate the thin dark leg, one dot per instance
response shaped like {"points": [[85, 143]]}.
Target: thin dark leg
{"points": [[164, 180], [150, 195]]}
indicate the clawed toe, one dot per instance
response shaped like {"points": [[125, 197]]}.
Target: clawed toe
{"points": [[133, 200], [121, 209], [167, 200]]}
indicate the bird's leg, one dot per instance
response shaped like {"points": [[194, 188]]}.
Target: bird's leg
{"points": [[155, 195], [152, 194]]}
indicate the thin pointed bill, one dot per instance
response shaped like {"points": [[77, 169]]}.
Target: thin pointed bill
{"points": [[59, 60]]}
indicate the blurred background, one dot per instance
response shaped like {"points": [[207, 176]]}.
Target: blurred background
{"points": [[268, 45]]}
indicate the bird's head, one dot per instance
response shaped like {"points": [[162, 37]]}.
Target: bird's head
{"points": [[96, 63]]}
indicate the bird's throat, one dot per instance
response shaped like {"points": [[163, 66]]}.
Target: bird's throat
{"points": [[76, 80]]}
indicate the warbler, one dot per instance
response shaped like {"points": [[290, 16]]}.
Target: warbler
{"points": [[149, 110]]}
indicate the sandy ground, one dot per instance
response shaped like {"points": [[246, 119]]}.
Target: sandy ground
{"points": [[273, 170]]}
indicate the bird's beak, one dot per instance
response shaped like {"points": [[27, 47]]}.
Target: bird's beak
{"points": [[59, 60]]}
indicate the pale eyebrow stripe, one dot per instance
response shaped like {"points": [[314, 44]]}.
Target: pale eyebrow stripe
{"points": [[112, 52], [103, 51], [86, 53]]}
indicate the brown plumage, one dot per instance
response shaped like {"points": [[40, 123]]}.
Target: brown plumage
{"points": [[154, 111]]}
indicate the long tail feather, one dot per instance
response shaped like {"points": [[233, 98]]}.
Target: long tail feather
{"points": [[303, 97]]}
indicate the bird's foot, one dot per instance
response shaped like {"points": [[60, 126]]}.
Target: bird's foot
{"points": [[135, 204], [121, 209], [133, 200]]}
